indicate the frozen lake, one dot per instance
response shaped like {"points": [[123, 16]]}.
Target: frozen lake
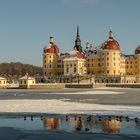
{"points": [[97, 103]]}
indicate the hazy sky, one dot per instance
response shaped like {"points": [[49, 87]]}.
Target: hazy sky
{"points": [[25, 25]]}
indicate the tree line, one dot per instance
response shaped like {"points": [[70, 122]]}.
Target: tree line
{"points": [[19, 69]]}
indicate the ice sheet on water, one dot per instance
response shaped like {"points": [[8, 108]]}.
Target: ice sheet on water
{"points": [[64, 107]]}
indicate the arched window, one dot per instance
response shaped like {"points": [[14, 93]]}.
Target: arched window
{"points": [[106, 80]]}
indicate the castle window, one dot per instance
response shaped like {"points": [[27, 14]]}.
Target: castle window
{"points": [[131, 67], [88, 65], [131, 62], [92, 60], [88, 60], [107, 53], [99, 64], [99, 59], [92, 65], [50, 56], [114, 58], [67, 70], [107, 58], [107, 71], [74, 69], [114, 53]]}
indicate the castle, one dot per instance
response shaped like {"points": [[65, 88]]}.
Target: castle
{"points": [[105, 63]]}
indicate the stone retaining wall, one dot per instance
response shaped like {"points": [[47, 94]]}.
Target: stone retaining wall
{"points": [[98, 85], [79, 86], [123, 85], [3, 87], [47, 86]]}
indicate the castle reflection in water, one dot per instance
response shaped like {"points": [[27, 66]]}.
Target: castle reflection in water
{"points": [[71, 124]]}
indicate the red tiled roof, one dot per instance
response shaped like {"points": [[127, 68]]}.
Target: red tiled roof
{"points": [[111, 44], [52, 49]]}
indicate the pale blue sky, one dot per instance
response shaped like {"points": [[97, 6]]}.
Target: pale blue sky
{"points": [[25, 25]]}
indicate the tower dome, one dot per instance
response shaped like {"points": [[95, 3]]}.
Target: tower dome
{"points": [[137, 51], [52, 48], [111, 43]]}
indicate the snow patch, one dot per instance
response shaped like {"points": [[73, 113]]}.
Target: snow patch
{"points": [[63, 107]]}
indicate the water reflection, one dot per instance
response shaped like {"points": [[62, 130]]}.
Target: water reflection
{"points": [[71, 123], [137, 123], [52, 123], [89, 124], [112, 126]]}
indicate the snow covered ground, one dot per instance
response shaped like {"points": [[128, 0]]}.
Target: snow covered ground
{"points": [[64, 107]]}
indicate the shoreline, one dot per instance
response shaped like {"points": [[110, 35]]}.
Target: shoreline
{"points": [[56, 115]]}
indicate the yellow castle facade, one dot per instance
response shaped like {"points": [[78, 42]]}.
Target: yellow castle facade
{"points": [[106, 63]]}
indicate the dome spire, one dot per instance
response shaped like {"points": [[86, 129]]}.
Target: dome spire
{"points": [[51, 40], [110, 33]]}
